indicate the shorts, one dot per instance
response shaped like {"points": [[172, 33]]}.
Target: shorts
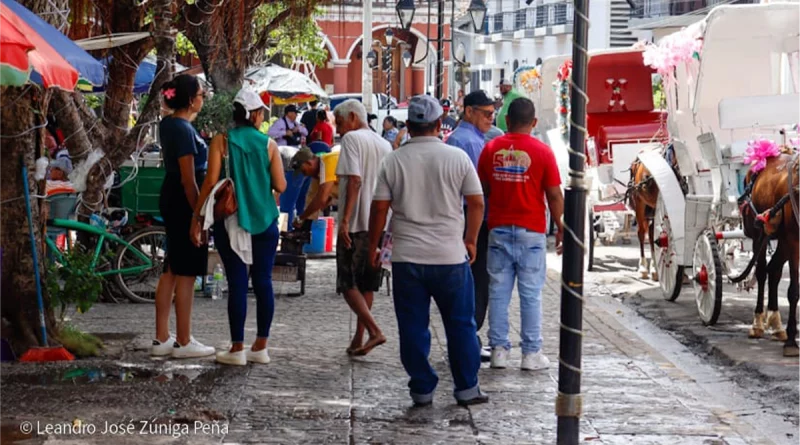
{"points": [[354, 265]]}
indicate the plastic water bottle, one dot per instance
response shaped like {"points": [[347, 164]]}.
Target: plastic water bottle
{"points": [[219, 278]]}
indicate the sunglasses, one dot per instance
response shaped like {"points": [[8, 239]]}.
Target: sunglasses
{"points": [[486, 113]]}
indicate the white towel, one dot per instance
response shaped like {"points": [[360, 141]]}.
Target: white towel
{"points": [[240, 239]]}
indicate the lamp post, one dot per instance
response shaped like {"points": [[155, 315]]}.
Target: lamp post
{"points": [[477, 12], [387, 62]]}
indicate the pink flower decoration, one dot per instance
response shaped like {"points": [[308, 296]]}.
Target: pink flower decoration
{"points": [[169, 93], [758, 152]]}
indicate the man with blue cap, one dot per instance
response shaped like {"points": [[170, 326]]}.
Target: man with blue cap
{"points": [[424, 183]]}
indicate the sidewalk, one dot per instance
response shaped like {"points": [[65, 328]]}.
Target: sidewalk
{"points": [[313, 393]]}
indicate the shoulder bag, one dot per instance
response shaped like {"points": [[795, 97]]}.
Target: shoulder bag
{"points": [[225, 203]]}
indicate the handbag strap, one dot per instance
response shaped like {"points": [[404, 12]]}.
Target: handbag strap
{"points": [[227, 158]]}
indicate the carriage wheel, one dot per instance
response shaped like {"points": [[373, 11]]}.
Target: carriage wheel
{"points": [[707, 277], [670, 273], [590, 246]]}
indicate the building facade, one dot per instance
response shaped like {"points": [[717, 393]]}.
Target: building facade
{"points": [[518, 34], [342, 28]]}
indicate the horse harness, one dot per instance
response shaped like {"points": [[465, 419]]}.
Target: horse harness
{"points": [[745, 202]]}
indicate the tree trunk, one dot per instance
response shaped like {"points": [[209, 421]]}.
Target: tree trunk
{"points": [[19, 305], [223, 42]]}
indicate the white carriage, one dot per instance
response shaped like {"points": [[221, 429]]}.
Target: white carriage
{"points": [[740, 85]]}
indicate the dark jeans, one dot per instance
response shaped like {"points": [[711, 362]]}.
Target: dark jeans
{"points": [[452, 290], [480, 273], [264, 247], [293, 199]]}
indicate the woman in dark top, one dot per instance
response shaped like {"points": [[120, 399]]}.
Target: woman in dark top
{"points": [[185, 156]]}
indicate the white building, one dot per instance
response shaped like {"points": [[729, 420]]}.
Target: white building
{"points": [[517, 34], [653, 19]]}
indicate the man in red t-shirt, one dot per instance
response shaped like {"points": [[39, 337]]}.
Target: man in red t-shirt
{"points": [[518, 172]]}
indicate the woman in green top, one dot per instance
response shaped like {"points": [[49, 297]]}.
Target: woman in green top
{"points": [[257, 170]]}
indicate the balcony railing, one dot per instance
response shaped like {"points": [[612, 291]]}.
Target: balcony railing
{"points": [[666, 8], [552, 14]]}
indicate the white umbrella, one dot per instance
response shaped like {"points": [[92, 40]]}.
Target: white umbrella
{"points": [[282, 82]]}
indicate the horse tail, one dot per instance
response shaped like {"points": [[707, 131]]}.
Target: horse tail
{"points": [[763, 240]]}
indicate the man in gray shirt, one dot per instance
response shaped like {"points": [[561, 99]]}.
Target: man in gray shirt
{"points": [[424, 182], [360, 157]]}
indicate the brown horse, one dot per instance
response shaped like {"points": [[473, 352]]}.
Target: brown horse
{"points": [[774, 270], [775, 198], [642, 198]]}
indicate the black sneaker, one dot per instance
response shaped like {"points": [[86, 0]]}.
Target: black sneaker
{"points": [[423, 404], [483, 398]]}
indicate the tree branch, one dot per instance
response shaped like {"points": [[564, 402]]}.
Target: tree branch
{"points": [[263, 36]]}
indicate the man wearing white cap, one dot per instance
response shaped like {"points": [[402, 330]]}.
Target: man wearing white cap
{"points": [[429, 257]]}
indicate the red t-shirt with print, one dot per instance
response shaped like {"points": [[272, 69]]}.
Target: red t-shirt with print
{"points": [[516, 168]]}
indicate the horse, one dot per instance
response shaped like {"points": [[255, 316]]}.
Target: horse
{"points": [[774, 199], [642, 197], [772, 271]]}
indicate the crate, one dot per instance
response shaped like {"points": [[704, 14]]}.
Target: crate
{"points": [[142, 193]]}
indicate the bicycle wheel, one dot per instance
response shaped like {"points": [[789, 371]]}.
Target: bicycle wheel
{"points": [[141, 287]]}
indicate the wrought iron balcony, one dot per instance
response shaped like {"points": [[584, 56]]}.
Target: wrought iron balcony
{"points": [[650, 9], [542, 16]]}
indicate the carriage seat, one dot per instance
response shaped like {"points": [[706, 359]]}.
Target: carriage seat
{"points": [[629, 126]]}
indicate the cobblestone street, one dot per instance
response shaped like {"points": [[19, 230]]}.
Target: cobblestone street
{"points": [[313, 393]]}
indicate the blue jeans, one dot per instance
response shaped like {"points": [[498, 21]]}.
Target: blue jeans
{"points": [[451, 287], [516, 254], [265, 246], [293, 199]]}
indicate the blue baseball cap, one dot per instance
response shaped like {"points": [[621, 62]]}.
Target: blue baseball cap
{"points": [[424, 109]]}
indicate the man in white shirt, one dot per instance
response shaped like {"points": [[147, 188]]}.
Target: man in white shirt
{"points": [[360, 156], [424, 183]]}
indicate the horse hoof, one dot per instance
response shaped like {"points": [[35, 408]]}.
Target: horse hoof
{"points": [[780, 336], [755, 333], [644, 275], [655, 277], [791, 351]]}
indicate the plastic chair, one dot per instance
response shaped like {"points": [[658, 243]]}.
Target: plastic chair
{"points": [[62, 206], [318, 147]]}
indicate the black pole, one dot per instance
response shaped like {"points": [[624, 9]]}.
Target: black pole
{"points": [[568, 401], [439, 48]]}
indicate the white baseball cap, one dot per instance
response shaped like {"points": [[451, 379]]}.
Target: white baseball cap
{"points": [[250, 100]]}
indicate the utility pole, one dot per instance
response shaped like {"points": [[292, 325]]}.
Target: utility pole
{"points": [[366, 70], [569, 401], [439, 48]]}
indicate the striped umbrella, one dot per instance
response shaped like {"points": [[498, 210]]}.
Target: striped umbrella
{"points": [[15, 68], [56, 60]]}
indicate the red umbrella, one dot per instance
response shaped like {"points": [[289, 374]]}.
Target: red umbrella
{"points": [[15, 69], [54, 69]]}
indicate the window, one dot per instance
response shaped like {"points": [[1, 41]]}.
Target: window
{"points": [[486, 75], [541, 15], [516, 65], [502, 73]]}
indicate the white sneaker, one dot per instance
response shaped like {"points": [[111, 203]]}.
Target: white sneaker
{"points": [[534, 361], [192, 349], [160, 349], [237, 358], [499, 358], [261, 356]]}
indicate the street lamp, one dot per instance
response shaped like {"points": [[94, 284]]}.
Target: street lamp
{"points": [[407, 58], [389, 36], [372, 58], [405, 12], [477, 12]]}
